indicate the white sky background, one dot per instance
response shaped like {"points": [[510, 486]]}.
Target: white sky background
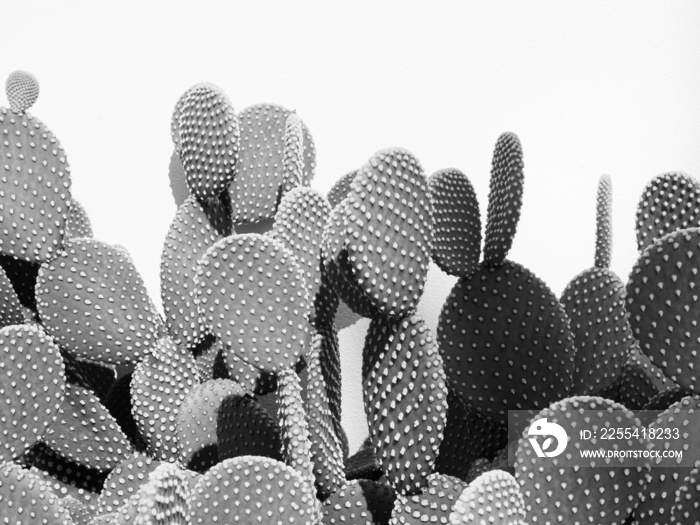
{"points": [[589, 87]]}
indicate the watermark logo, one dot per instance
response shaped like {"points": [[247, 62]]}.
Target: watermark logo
{"points": [[551, 431]]}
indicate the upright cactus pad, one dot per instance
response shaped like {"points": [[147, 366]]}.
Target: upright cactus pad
{"points": [[603, 223], [493, 497], [670, 202], [662, 299], [35, 178], [251, 490], [686, 508], [457, 242], [594, 301], [32, 386], [209, 135], [506, 342], [77, 296], [268, 325], [260, 170], [293, 154], [405, 394], [505, 198], [558, 493], [164, 500]]}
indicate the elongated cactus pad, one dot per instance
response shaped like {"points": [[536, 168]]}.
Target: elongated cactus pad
{"points": [[594, 301], [659, 498], [196, 427], [209, 141], [35, 183], [264, 283], [78, 223], [260, 170], [25, 498], [405, 396], [119, 403], [32, 386], [670, 202], [506, 342], [159, 386], [293, 154], [505, 198], [494, 497], [432, 505], [389, 229], [457, 242], [603, 223], [190, 235], [93, 301], [556, 493], [662, 299], [360, 502], [252, 490]]}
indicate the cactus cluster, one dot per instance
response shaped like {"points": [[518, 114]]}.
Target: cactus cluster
{"points": [[227, 408]]}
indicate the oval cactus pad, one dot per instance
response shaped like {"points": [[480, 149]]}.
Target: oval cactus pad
{"points": [[603, 223], [250, 490], [253, 295], [36, 184], [662, 301], [22, 89], [260, 170], [32, 386], [405, 398], [360, 502], [457, 242], [494, 497], [670, 202], [78, 223], [432, 505], [505, 198], [209, 135], [92, 300], [506, 342]]}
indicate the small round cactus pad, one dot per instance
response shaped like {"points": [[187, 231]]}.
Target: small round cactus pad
{"points": [[505, 198], [506, 342], [253, 295], [662, 300]]}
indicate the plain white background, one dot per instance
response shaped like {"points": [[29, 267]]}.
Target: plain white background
{"points": [[589, 87]]}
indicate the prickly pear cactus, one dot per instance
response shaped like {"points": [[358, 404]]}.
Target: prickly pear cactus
{"points": [[493, 497], [603, 223]]}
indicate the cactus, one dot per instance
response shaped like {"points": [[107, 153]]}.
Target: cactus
{"points": [[361, 502], [686, 508], [78, 223], [433, 504], [603, 223], [493, 497], [124, 481]]}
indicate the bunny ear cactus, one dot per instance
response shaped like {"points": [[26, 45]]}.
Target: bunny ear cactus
{"points": [[164, 500], [11, 311], [36, 181], [603, 223], [78, 223], [360, 502], [124, 482], [686, 508], [493, 497], [432, 505], [457, 241]]}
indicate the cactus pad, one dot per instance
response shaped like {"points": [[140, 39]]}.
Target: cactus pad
{"points": [[124, 482], [670, 202], [11, 311], [78, 223], [245, 428], [32, 386], [594, 301], [251, 490], [24, 497], [686, 508], [268, 325], [341, 188], [457, 242], [36, 185], [493, 497], [433, 505], [93, 301], [555, 493], [360, 502], [293, 154], [505, 198], [499, 355], [405, 396], [662, 299], [603, 223], [164, 499], [260, 170], [159, 386], [22, 89]]}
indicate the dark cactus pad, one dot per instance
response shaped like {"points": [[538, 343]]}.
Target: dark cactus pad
{"points": [[670, 202], [405, 396], [32, 386], [249, 490], [22, 275], [269, 323], [457, 241], [603, 223], [11, 311], [159, 386], [662, 301], [118, 402], [190, 235], [586, 494], [505, 198], [493, 497], [77, 297], [641, 380], [506, 342], [594, 301], [260, 170]]}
